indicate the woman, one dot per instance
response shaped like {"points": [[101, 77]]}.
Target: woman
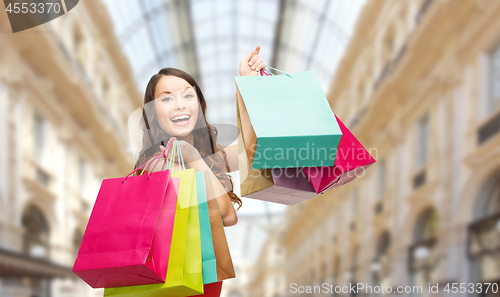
{"points": [[175, 106], [171, 109]]}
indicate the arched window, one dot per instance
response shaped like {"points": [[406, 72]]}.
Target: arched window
{"points": [[36, 233], [380, 265], [484, 235], [427, 225], [423, 252]]}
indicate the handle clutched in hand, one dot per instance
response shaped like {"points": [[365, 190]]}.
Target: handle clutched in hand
{"points": [[147, 164], [176, 150], [265, 72], [163, 155]]}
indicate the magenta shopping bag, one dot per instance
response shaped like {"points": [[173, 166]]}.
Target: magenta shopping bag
{"points": [[351, 161], [128, 236]]}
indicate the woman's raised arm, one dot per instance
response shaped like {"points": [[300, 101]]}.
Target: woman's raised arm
{"points": [[249, 65]]}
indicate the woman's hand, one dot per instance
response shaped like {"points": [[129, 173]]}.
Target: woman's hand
{"points": [[189, 152], [251, 63]]}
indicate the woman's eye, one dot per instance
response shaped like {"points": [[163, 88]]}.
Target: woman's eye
{"points": [[166, 99], [189, 96]]}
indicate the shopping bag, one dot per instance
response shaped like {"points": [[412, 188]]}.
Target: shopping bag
{"points": [[282, 185], [292, 121], [209, 265], [251, 180], [352, 160], [225, 268], [128, 237], [184, 274]]}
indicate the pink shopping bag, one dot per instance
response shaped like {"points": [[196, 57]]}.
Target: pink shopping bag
{"points": [[351, 161], [128, 236]]}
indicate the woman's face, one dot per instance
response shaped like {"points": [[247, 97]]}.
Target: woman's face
{"points": [[176, 105]]}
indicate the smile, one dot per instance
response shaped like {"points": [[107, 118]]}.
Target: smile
{"points": [[181, 120]]}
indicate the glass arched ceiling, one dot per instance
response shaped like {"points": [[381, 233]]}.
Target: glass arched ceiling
{"points": [[207, 38]]}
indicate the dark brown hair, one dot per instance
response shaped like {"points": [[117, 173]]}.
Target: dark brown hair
{"points": [[204, 134]]}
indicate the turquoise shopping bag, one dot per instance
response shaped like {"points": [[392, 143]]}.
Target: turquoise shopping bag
{"points": [[209, 264], [292, 122]]}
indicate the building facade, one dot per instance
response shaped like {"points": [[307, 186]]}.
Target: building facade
{"points": [[419, 86], [66, 92]]}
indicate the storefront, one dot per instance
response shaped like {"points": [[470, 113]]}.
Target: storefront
{"points": [[22, 275]]}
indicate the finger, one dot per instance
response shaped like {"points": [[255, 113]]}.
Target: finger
{"points": [[248, 56], [259, 61], [253, 60], [257, 50], [260, 66]]}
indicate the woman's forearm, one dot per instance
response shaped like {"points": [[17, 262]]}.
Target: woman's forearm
{"points": [[232, 157]]}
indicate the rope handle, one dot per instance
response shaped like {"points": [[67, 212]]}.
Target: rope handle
{"points": [[180, 157], [172, 157], [162, 156], [266, 72], [157, 158], [150, 161], [177, 151], [263, 72]]}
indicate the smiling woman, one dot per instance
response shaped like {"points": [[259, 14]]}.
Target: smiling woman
{"points": [[174, 106]]}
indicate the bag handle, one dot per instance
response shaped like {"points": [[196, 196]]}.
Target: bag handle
{"points": [[157, 158], [263, 72], [269, 72], [163, 155], [180, 157], [173, 148], [176, 150], [171, 157]]}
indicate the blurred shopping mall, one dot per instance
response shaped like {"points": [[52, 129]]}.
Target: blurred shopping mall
{"points": [[417, 82]]}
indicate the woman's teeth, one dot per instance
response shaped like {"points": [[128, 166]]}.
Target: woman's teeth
{"points": [[180, 119]]}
